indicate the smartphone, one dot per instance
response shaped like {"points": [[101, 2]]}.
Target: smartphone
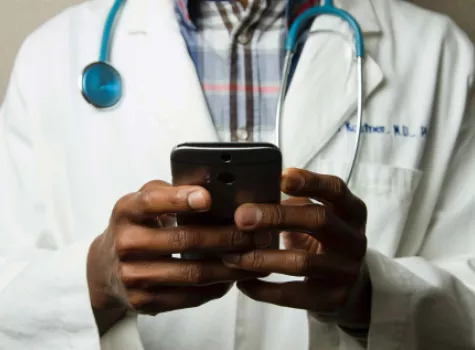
{"points": [[233, 173]]}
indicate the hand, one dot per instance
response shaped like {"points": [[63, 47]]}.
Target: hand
{"points": [[130, 266], [325, 243]]}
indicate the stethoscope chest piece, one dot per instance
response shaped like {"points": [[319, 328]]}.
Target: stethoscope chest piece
{"points": [[101, 85]]}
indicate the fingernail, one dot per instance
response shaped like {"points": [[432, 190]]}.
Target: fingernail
{"points": [[262, 239], [232, 259], [293, 181], [250, 216], [196, 200]]}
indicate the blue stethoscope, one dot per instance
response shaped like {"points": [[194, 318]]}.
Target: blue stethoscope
{"points": [[102, 86]]}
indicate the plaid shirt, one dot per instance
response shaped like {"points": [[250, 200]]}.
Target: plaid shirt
{"points": [[238, 54]]}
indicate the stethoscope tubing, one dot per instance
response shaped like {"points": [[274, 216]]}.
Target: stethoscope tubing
{"points": [[101, 83], [291, 47]]}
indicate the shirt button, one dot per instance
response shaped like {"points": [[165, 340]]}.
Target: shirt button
{"points": [[244, 38], [242, 134]]}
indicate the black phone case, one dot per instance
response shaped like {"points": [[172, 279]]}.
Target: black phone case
{"points": [[233, 173]]}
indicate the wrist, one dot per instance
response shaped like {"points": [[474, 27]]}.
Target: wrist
{"points": [[106, 318], [95, 281], [103, 284], [357, 313], [106, 308], [360, 335]]}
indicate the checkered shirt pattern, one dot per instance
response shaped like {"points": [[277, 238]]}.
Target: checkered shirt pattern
{"points": [[238, 54]]}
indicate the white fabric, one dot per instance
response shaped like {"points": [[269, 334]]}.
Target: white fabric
{"points": [[64, 164]]}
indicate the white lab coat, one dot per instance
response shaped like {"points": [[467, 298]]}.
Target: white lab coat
{"points": [[63, 165]]}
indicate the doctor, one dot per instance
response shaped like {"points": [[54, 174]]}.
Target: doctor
{"points": [[389, 261]]}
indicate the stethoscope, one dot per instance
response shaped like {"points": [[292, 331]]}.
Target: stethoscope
{"points": [[102, 86]]}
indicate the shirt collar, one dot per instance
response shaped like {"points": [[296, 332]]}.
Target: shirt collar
{"points": [[189, 9], [135, 15]]}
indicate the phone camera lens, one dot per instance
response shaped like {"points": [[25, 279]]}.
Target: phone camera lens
{"points": [[226, 157], [226, 178]]}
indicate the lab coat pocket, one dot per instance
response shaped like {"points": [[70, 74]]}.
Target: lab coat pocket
{"points": [[387, 191]]}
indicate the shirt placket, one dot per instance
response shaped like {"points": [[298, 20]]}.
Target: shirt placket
{"points": [[241, 79]]}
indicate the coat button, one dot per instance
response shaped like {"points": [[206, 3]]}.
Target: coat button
{"points": [[242, 134]]}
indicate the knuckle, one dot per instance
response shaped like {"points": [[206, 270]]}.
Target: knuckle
{"points": [[256, 258], [126, 275], [122, 244], [318, 217], [237, 239], [193, 274], [154, 184], [122, 206], [183, 240], [338, 186], [334, 185], [146, 198], [277, 215], [176, 197], [299, 263]]}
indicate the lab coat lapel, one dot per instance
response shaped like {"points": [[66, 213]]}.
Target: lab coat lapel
{"points": [[176, 80], [163, 83], [323, 93]]}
